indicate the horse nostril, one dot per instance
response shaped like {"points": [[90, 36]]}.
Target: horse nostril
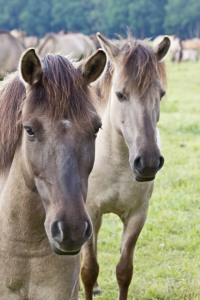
{"points": [[138, 163], [162, 160], [88, 230], [57, 232], [146, 165]]}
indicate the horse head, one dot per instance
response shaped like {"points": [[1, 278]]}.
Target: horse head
{"points": [[137, 86], [60, 124]]}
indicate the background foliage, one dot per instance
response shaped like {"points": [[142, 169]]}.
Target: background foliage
{"points": [[145, 18]]}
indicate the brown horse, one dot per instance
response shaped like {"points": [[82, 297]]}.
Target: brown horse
{"points": [[48, 126], [192, 44], [127, 150]]}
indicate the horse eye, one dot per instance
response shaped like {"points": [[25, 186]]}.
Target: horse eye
{"points": [[162, 94], [96, 131], [29, 131], [121, 97]]}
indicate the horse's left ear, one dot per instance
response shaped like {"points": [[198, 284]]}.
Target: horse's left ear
{"points": [[30, 67], [163, 48], [112, 50], [94, 66]]}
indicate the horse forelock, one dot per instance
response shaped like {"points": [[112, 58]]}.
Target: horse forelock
{"points": [[140, 65], [61, 94]]}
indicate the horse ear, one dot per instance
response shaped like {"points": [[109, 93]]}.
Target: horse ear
{"points": [[108, 46], [30, 67], [94, 66], [163, 48]]}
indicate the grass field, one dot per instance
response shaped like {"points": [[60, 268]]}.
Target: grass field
{"points": [[167, 255]]}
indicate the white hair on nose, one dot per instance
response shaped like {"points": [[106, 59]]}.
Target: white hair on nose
{"points": [[158, 138], [67, 123]]}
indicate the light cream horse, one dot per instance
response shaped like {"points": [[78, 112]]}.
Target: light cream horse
{"points": [[28, 41], [75, 45], [48, 125], [190, 55], [127, 150], [10, 51]]}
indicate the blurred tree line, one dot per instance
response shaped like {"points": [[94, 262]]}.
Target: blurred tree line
{"points": [[145, 18]]}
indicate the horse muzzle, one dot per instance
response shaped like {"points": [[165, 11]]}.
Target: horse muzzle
{"points": [[68, 241], [146, 170]]}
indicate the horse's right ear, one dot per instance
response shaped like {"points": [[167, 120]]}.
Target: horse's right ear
{"points": [[163, 48], [30, 67]]}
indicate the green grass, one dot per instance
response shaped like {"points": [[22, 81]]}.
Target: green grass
{"points": [[167, 255]]}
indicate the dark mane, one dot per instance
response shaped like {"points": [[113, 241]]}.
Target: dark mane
{"points": [[11, 98], [61, 94], [139, 64]]}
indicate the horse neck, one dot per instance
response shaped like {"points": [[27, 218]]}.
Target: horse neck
{"points": [[23, 215]]}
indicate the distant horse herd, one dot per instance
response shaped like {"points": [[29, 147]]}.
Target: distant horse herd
{"points": [[76, 46], [50, 115], [186, 50]]}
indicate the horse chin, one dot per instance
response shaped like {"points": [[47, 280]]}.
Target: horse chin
{"points": [[144, 179], [61, 252]]}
